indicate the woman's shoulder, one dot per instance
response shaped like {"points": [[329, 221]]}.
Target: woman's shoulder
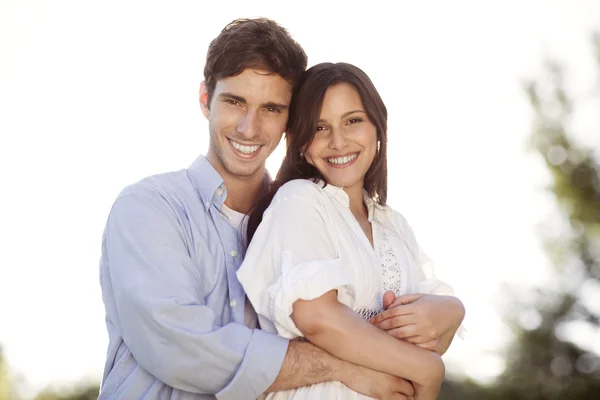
{"points": [[396, 218], [301, 189]]}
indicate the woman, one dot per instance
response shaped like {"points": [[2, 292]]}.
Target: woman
{"points": [[327, 248]]}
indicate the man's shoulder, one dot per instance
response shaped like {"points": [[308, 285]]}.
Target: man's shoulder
{"points": [[172, 193], [167, 184]]}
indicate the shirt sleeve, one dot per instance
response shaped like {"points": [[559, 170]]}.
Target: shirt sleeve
{"points": [[162, 313], [294, 255], [428, 282]]}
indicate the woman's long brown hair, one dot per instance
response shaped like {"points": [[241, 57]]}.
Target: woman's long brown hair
{"points": [[305, 110]]}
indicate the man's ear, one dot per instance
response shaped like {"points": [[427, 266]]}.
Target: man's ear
{"points": [[204, 99]]}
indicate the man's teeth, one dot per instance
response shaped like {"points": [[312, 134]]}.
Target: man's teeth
{"points": [[245, 149], [342, 160]]}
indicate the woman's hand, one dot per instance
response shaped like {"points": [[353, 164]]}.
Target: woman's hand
{"points": [[420, 319]]}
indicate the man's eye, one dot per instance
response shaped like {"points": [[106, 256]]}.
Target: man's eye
{"points": [[274, 110], [232, 102]]}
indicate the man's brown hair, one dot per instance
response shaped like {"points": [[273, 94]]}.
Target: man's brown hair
{"points": [[258, 43]]}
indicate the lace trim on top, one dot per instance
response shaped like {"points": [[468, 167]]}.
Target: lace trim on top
{"points": [[391, 273], [368, 314]]}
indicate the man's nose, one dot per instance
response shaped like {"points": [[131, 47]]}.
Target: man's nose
{"points": [[249, 125]]}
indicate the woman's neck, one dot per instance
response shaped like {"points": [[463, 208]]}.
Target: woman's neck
{"points": [[357, 204], [359, 210]]}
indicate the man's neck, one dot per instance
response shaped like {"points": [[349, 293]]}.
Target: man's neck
{"points": [[243, 192]]}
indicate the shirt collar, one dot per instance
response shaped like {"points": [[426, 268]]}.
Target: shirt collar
{"points": [[207, 181], [374, 209]]}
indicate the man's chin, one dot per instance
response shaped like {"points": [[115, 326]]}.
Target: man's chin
{"points": [[246, 170]]}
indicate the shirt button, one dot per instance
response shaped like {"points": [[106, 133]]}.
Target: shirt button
{"points": [[219, 191], [232, 303], [233, 253]]}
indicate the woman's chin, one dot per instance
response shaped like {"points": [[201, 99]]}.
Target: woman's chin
{"points": [[344, 183]]}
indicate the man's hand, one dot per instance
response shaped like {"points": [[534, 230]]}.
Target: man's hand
{"points": [[376, 384], [419, 318]]}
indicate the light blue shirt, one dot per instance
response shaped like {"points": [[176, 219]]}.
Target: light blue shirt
{"points": [[174, 306]]}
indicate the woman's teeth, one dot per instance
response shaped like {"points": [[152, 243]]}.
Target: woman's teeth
{"points": [[342, 160]]}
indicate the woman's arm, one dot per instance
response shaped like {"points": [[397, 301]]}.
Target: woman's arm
{"points": [[337, 329]]}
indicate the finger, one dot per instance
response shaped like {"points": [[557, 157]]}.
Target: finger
{"points": [[389, 313], [406, 299], [395, 322], [405, 387], [403, 332], [417, 339], [388, 298], [429, 345]]}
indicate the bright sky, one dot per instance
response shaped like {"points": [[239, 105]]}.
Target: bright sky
{"points": [[96, 95]]}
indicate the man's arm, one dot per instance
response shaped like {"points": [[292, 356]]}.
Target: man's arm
{"points": [[305, 364], [154, 292]]}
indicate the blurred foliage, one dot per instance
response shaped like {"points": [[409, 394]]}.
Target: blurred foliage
{"points": [[83, 392], [6, 383], [76, 392], [549, 358]]}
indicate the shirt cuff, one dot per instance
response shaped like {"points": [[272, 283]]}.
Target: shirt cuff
{"points": [[259, 369]]}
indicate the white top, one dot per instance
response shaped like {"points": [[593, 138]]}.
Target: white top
{"points": [[310, 243]]}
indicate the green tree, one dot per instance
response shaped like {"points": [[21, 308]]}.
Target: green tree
{"points": [[546, 360]]}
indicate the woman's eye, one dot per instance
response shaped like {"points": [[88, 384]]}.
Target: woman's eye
{"points": [[354, 120]]}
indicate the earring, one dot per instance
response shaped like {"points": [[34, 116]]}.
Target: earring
{"points": [[378, 145]]}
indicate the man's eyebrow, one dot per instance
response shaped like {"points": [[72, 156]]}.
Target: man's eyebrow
{"points": [[232, 97], [240, 99], [277, 106]]}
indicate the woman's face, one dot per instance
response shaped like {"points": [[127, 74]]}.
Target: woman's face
{"points": [[345, 143]]}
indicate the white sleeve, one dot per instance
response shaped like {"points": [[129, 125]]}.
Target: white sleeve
{"points": [[293, 255]]}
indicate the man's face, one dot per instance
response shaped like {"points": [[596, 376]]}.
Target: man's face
{"points": [[247, 116]]}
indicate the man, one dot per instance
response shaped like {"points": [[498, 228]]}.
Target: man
{"points": [[178, 322]]}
